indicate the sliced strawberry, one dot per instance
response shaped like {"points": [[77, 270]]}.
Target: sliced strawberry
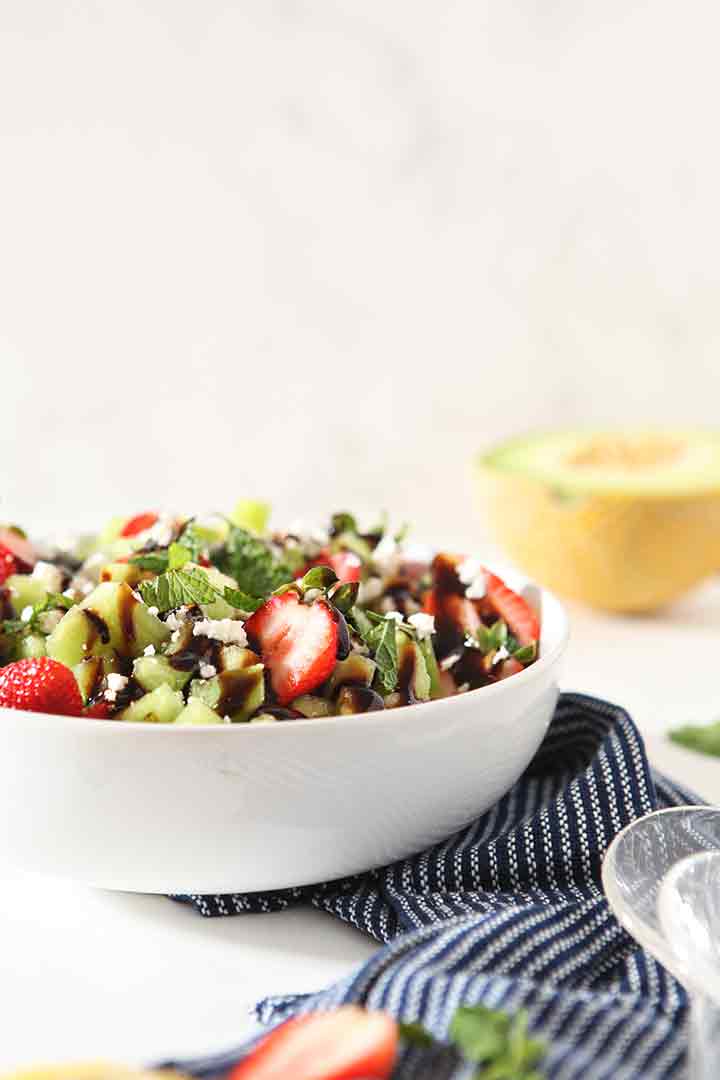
{"points": [[17, 554], [509, 667], [139, 524], [523, 622], [346, 564], [101, 710], [347, 1044], [40, 685], [429, 602], [298, 643]]}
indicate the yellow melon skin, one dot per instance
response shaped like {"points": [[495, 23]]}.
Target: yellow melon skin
{"points": [[626, 553]]}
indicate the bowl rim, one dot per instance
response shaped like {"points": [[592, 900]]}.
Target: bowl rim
{"points": [[382, 716]]}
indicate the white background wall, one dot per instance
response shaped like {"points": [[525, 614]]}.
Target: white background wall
{"points": [[321, 251]]}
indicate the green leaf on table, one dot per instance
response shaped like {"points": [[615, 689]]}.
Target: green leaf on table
{"points": [[705, 738]]}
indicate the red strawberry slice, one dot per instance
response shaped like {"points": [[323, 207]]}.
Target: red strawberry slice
{"points": [[139, 524], [298, 643], [99, 711], [40, 685], [347, 1044], [17, 554], [513, 609], [346, 564]]}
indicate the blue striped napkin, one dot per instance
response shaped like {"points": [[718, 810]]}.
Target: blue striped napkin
{"points": [[510, 913]]}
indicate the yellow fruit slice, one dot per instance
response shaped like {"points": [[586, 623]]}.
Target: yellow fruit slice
{"points": [[91, 1071], [625, 521]]}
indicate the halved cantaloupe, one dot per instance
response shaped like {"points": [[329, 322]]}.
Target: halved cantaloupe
{"points": [[621, 520]]}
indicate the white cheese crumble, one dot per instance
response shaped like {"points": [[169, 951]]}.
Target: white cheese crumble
{"points": [[109, 695], [173, 622], [27, 613], [50, 576], [149, 650], [501, 654], [477, 588], [116, 683], [450, 661], [468, 570], [207, 671], [395, 616], [153, 611], [424, 625], [229, 631]]}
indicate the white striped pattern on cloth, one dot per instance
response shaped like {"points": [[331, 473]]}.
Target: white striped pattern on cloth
{"points": [[510, 913]]}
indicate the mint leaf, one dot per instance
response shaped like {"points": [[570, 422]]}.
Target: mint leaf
{"points": [[52, 602], [345, 595], [415, 1034], [319, 577], [705, 738], [361, 621], [252, 563], [383, 643], [343, 522], [527, 653], [479, 1033], [490, 638], [177, 587], [240, 600]]}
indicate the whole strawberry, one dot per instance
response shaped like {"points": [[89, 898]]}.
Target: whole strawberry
{"points": [[40, 685]]}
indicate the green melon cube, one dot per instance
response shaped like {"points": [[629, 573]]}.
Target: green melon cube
{"points": [[196, 712], [162, 706], [154, 671]]}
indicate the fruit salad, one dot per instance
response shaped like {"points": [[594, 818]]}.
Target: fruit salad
{"points": [[210, 620]]}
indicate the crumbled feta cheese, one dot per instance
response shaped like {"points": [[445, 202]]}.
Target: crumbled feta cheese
{"points": [[70, 593], [50, 576], [312, 594], [162, 532], [394, 615], [153, 611], [49, 620], [87, 588], [116, 683], [172, 621], [175, 636], [424, 625], [227, 720], [501, 654], [312, 538], [207, 671], [463, 688], [468, 570], [27, 613], [450, 661], [229, 631], [477, 588], [110, 695], [149, 650]]}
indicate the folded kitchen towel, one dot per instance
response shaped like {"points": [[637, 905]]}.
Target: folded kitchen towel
{"points": [[510, 913]]}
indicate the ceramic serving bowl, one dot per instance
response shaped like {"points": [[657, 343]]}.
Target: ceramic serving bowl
{"points": [[164, 809]]}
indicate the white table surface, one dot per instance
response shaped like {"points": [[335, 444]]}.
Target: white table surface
{"points": [[87, 974]]}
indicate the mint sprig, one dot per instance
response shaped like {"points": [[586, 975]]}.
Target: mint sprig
{"points": [[253, 563], [382, 641], [52, 602], [497, 1043], [177, 587]]}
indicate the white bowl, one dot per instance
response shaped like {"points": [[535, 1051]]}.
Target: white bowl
{"points": [[163, 809]]}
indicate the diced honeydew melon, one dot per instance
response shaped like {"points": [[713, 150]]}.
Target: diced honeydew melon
{"points": [[311, 706], [162, 706], [31, 645], [218, 609], [196, 712], [411, 663], [25, 591], [154, 671], [89, 674], [355, 669], [237, 694], [123, 571], [109, 622]]}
